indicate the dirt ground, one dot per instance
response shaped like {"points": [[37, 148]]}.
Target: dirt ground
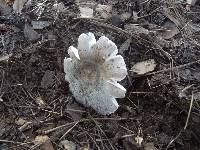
{"points": [[161, 110]]}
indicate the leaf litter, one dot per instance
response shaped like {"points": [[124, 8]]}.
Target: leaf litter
{"points": [[35, 98]]}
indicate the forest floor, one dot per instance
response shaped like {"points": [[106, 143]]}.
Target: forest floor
{"points": [[161, 109]]}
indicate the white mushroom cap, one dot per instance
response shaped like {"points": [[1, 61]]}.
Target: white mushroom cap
{"points": [[93, 70]]}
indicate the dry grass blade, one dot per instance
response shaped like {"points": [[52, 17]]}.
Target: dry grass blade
{"points": [[103, 133], [83, 120], [189, 112], [173, 140], [69, 130], [17, 143]]}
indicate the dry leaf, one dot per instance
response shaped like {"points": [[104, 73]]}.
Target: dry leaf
{"points": [[41, 138], [86, 8], [144, 67], [48, 79], [40, 102], [139, 140], [18, 5], [44, 141], [86, 12], [20, 121], [104, 10], [125, 46], [86, 147]]}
